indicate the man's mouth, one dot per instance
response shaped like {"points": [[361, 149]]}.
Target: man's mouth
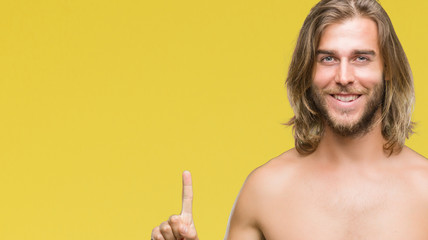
{"points": [[346, 98]]}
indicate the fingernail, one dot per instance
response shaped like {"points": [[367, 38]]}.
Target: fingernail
{"points": [[184, 229]]}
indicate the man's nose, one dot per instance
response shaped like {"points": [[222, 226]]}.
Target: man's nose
{"points": [[345, 73]]}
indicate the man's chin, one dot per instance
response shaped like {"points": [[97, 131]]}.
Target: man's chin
{"points": [[349, 129], [346, 127]]}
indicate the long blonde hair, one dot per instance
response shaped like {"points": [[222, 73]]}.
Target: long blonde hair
{"points": [[397, 104]]}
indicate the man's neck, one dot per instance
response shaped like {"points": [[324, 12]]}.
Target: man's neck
{"points": [[361, 150]]}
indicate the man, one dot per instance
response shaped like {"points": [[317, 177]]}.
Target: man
{"points": [[350, 175]]}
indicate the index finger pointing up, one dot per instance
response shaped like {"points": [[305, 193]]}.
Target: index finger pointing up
{"points": [[187, 194]]}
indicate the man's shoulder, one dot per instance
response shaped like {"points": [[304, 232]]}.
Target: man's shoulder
{"points": [[415, 169], [412, 154], [276, 174], [413, 161]]}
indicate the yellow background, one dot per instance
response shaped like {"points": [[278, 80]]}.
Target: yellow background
{"points": [[104, 103]]}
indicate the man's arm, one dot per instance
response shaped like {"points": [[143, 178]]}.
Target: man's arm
{"points": [[243, 219]]}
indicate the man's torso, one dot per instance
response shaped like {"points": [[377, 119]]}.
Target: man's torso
{"points": [[306, 200]]}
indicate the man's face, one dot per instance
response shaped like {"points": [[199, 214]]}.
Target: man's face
{"points": [[347, 83]]}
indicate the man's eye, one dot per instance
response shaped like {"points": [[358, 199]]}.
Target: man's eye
{"points": [[362, 59], [327, 59]]}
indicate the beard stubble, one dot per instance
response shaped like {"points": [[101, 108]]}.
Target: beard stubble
{"points": [[359, 127]]}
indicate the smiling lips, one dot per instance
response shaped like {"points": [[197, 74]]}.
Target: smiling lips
{"points": [[346, 98]]}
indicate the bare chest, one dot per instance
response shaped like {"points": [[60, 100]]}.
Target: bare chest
{"points": [[348, 210]]}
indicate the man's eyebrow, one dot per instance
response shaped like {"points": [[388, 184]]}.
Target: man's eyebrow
{"points": [[355, 52], [365, 52], [328, 52]]}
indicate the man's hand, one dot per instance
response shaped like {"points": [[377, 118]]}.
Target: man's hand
{"points": [[179, 227]]}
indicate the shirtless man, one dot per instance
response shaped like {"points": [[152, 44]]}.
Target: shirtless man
{"points": [[350, 175]]}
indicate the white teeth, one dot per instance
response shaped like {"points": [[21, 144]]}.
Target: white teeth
{"points": [[347, 98]]}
